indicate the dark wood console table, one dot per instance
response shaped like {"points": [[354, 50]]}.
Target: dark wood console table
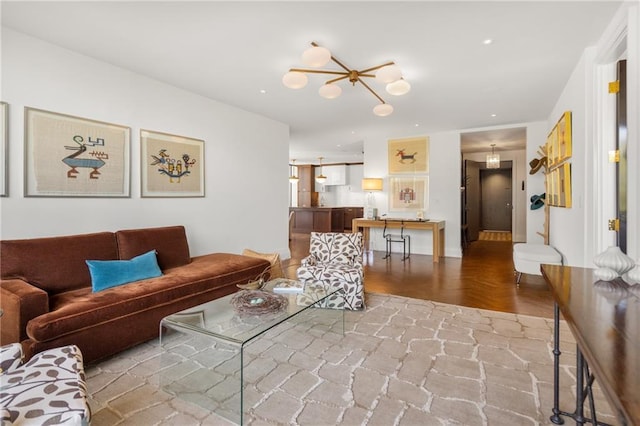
{"points": [[607, 332]]}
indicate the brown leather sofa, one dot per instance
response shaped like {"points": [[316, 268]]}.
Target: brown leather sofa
{"points": [[47, 299]]}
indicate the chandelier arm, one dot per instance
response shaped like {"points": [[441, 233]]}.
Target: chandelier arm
{"points": [[319, 71], [336, 79], [341, 64], [376, 67], [371, 90]]}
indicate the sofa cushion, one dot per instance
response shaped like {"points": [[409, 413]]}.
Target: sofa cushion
{"points": [[81, 309], [273, 258], [111, 273], [56, 264], [169, 242]]}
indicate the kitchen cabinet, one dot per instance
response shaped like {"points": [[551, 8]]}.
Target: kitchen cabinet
{"points": [[317, 219], [351, 213], [337, 220], [336, 174], [307, 197]]}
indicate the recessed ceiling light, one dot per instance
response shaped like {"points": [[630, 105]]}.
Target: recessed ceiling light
{"points": [[487, 41], [263, 91], [417, 125], [494, 115]]}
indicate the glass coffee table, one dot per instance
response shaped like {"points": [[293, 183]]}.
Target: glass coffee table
{"points": [[205, 357]]}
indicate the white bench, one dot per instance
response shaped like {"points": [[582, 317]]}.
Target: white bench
{"points": [[528, 257]]}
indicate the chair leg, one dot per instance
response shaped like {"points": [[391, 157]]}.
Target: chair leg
{"points": [[405, 254], [387, 249], [518, 278]]}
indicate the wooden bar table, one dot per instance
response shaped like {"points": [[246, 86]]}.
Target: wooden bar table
{"points": [[606, 327], [435, 226]]}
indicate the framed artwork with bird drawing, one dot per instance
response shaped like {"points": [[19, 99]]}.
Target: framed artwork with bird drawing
{"points": [[172, 166], [69, 156]]}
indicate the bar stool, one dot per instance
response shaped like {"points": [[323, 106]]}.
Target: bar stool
{"points": [[395, 238]]}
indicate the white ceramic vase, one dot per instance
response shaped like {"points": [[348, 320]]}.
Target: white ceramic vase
{"points": [[634, 275], [605, 274], [613, 258]]}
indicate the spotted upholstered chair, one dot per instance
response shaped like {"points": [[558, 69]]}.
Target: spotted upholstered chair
{"points": [[48, 389], [335, 259]]}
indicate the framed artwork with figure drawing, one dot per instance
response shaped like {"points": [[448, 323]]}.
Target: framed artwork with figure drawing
{"points": [[410, 155], [408, 193]]}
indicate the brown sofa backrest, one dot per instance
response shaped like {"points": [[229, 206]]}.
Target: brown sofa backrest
{"points": [[170, 242], [56, 264]]}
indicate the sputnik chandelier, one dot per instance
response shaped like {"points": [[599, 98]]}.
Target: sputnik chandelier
{"points": [[318, 56]]}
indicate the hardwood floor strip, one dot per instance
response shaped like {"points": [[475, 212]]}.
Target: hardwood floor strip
{"points": [[483, 278]]}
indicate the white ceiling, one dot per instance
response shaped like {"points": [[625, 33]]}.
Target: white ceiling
{"points": [[230, 51]]}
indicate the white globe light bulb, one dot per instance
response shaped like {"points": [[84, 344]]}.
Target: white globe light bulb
{"points": [[316, 56], [388, 74], [295, 80], [399, 87], [382, 110], [330, 91]]}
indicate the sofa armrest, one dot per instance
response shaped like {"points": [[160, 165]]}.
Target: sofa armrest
{"points": [[20, 302]]}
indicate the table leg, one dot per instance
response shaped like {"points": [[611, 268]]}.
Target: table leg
{"points": [[579, 414], [365, 238], [435, 232], [555, 418]]}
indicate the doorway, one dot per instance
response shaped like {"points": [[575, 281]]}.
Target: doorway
{"points": [[487, 202], [505, 211], [495, 199]]}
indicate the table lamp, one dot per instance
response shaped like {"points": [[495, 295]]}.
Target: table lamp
{"points": [[370, 185]]}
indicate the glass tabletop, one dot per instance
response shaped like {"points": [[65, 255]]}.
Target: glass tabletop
{"points": [[241, 316]]}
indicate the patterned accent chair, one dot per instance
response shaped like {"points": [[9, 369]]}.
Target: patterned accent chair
{"points": [[48, 389], [335, 259]]}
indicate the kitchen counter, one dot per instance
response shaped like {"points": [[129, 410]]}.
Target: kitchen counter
{"points": [[323, 219]]}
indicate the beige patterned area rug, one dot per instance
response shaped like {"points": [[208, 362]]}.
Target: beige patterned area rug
{"points": [[494, 236], [401, 362]]}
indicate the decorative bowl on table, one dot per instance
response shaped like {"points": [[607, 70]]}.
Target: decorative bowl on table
{"points": [[256, 302]]}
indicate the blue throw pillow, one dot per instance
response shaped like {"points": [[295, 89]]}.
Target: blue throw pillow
{"points": [[110, 273]]}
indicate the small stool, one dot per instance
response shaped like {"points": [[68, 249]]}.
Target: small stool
{"points": [[527, 258]]}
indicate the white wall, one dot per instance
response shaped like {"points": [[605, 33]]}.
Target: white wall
{"points": [[443, 189], [246, 155], [536, 137], [580, 232], [567, 225]]}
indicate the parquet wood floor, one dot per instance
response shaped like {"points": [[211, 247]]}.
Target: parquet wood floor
{"points": [[483, 278]]}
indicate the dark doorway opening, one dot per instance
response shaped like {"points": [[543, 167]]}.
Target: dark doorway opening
{"points": [[496, 199], [487, 199]]}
